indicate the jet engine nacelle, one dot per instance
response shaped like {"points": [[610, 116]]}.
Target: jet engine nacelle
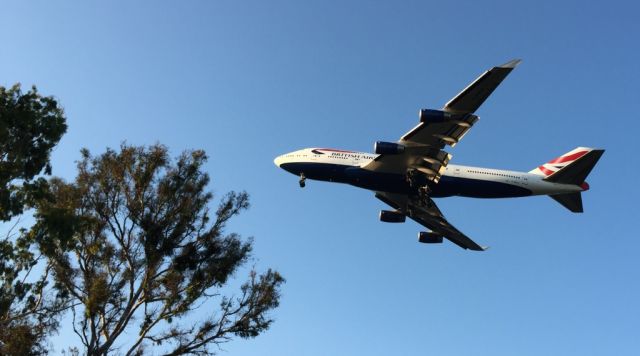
{"points": [[387, 148], [392, 216], [430, 237], [430, 115]]}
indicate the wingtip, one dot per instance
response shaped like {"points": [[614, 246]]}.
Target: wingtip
{"points": [[511, 64]]}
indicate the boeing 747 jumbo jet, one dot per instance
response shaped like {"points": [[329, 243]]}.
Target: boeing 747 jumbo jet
{"points": [[407, 174]]}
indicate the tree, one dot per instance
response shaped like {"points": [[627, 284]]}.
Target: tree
{"points": [[30, 126], [140, 250]]}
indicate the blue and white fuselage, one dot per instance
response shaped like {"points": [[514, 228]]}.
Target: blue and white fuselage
{"points": [[347, 167]]}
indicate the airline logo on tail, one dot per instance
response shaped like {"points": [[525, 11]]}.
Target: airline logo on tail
{"points": [[566, 159]]}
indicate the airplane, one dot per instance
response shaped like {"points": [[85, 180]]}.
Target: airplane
{"points": [[407, 174]]}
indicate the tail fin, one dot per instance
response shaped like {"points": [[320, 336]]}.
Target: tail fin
{"points": [[571, 168]]}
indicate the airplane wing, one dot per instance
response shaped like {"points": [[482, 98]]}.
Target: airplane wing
{"points": [[470, 99], [437, 128], [429, 216]]}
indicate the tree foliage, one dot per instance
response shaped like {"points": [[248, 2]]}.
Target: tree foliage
{"points": [[30, 126], [133, 243]]}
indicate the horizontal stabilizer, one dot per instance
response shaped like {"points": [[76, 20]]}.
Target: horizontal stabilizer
{"points": [[571, 201]]}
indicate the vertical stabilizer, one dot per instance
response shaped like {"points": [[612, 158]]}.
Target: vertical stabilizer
{"points": [[577, 170], [559, 163]]}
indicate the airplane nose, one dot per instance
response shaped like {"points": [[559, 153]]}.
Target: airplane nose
{"points": [[278, 161]]}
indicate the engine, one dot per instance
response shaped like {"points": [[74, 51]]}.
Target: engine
{"points": [[430, 237], [432, 115], [387, 148], [392, 216]]}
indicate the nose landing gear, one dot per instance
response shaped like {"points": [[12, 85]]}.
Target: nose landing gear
{"points": [[302, 180]]}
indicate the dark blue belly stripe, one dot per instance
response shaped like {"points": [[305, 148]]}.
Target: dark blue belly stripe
{"points": [[396, 183]]}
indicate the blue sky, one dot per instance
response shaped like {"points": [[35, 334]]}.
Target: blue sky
{"points": [[250, 80]]}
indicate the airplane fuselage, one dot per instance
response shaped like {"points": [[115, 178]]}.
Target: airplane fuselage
{"points": [[347, 167]]}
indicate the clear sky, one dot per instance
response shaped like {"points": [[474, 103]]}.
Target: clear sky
{"points": [[250, 80]]}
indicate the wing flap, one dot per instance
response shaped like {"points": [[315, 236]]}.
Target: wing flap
{"points": [[414, 156], [439, 128]]}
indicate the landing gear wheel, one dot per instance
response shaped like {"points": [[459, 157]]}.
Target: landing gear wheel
{"points": [[302, 180]]}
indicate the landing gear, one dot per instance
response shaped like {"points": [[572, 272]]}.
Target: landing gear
{"points": [[415, 180], [302, 180], [411, 177], [423, 194]]}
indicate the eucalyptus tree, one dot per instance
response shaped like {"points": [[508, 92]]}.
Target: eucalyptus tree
{"points": [[31, 125], [142, 248]]}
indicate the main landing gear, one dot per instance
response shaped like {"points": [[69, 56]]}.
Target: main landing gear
{"points": [[423, 195], [411, 177], [302, 180], [423, 191]]}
